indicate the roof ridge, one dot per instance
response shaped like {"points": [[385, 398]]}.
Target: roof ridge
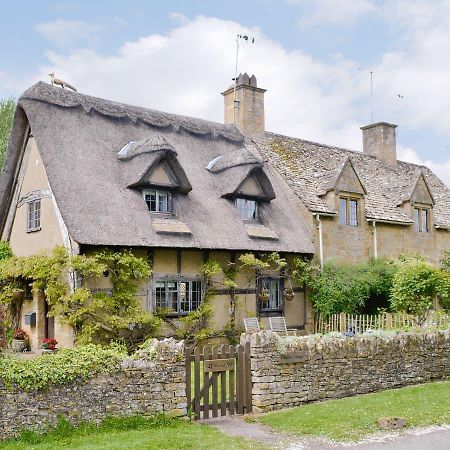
{"points": [[344, 149], [49, 94]]}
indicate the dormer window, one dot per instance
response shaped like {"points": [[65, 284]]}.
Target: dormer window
{"points": [[421, 220], [248, 209], [159, 200], [348, 211]]}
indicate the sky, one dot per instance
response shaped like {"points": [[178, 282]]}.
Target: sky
{"points": [[314, 57]]}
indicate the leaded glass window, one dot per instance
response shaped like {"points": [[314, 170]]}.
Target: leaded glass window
{"points": [[422, 220], [348, 211], [272, 287], [180, 297], [34, 215]]}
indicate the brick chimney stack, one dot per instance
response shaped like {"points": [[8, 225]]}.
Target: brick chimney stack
{"points": [[379, 140], [244, 106]]}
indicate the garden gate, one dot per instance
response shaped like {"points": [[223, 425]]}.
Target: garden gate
{"points": [[218, 379]]}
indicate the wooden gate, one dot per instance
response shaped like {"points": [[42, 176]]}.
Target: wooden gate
{"points": [[218, 380]]}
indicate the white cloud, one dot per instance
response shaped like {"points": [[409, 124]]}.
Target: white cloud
{"points": [[184, 71], [67, 33], [441, 170], [320, 12]]}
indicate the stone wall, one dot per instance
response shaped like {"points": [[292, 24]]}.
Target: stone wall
{"points": [[290, 371], [156, 383]]}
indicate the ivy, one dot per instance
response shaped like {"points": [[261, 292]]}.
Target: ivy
{"points": [[97, 317], [67, 365], [196, 325]]}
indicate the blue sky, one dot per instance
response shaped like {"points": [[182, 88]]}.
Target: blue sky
{"points": [[179, 55]]}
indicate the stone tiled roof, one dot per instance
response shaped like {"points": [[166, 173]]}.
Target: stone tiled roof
{"points": [[311, 168]]}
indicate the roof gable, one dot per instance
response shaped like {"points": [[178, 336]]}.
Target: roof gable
{"points": [[421, 192], [347, 179], [312, 169], [250, 187]]}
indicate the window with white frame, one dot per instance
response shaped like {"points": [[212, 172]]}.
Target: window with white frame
{"points": [[158, 200], [247, 208], [348, 211], [181, 297], [34, 215], [270, 288]]}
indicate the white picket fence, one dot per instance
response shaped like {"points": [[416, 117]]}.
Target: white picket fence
{"points": [[359, 323]]}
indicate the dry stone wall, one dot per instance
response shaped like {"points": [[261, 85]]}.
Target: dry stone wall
{"points": [[290, 371], [155, 383]]}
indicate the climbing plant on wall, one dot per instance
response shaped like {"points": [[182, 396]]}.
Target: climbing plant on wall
{"points": [[95, 315], [196, 325]]}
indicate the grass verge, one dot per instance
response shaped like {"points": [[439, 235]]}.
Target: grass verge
{"points": [[355, 417], [137, 432]]}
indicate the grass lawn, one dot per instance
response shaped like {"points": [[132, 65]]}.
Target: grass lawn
{"points": [[133, 433], [354, 417]]}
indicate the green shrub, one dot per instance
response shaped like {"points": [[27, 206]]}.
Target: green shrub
{"points": [[415, 286], [346, 287], [63, 367], [5, 250]]}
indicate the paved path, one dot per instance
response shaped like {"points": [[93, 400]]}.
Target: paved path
{"points": [[431, 438]]}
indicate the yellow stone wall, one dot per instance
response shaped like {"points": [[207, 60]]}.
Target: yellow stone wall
{"points": [[23, 243], [356, 244]]}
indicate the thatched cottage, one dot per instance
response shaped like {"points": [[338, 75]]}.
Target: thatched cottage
{"points": [[87, 173]]}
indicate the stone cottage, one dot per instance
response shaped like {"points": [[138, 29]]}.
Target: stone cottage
{"points": [[88, 173]]}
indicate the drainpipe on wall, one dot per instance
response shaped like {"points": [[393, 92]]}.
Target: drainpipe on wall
{"points": [[319, 227], [375, 243]]}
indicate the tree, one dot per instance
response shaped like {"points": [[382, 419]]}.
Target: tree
{"points": [[7, 107]]}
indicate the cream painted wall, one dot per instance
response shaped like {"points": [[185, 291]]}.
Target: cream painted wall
{"points": [[23, 243]]}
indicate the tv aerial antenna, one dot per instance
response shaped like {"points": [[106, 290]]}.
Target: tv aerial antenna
{"points": [[249, 40], [363, 69]]}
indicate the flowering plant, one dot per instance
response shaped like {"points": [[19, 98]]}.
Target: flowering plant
{"points": [[20, 335], [49, 343]]}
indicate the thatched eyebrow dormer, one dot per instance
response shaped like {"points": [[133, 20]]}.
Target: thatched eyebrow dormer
{"points": [[153, 162], [241, 173]]}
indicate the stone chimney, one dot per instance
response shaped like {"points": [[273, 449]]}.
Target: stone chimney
{"points": [[246, 110], [379, 140]]}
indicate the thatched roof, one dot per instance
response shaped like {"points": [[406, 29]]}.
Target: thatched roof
{"points": [[93, 150], [311, 169]]}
